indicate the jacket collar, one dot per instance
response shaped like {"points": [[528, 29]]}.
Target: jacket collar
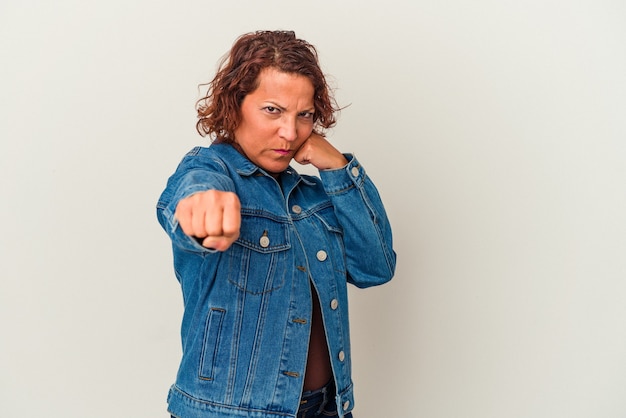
{"points": [[247, 168]]}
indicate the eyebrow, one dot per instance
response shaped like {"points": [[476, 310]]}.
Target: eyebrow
{"points": [[273, 103]]}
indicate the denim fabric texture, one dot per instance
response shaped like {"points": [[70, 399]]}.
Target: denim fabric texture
{"points": [[246, 322]]}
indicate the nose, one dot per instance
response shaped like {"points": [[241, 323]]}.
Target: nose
{"points": [[288, 129]]}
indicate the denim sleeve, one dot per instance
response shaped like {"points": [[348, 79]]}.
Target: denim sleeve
{"points": [[192, 176], [370, 257]]}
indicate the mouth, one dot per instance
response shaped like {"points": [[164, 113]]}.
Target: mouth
{"points": [[283, 152]]}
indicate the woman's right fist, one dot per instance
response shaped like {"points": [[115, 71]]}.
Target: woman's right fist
{"points": [[213, 216]]}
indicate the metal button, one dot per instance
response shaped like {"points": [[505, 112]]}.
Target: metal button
{"points": [[321, 255], [355, 171], [296, 209], [334, 304], [346, 405], [264, 241], [342, 356]]}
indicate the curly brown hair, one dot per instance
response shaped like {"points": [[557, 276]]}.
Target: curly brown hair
{"points": [[219, 112]]}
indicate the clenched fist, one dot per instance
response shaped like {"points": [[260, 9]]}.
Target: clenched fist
{"points": [[317, 151], [213, 216]]}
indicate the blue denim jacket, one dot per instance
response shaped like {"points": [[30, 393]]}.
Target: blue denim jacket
{"points": [[245, 327]]}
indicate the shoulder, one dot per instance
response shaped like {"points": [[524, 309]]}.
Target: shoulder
{"points": [[211, 158]]}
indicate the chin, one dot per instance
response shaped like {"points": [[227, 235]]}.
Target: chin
{"points": [[276, 170], [275, 166]]}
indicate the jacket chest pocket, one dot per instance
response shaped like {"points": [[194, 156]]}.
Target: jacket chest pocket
{"points": [[258, 259]]}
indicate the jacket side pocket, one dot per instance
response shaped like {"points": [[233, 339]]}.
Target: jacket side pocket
{"points": [[212, 332]]}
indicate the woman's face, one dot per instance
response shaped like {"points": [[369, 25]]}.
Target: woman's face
{"points": [[276, 119]]}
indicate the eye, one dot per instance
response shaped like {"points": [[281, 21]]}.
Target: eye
{"points": [[307, 115], [271, 109]]}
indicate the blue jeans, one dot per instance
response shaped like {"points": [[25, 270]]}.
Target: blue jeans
{"points": [[319, 403]]}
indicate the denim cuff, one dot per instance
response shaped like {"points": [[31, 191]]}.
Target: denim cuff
{"points": [[341, 180]]}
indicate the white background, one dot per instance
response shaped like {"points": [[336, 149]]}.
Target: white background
{"points": [[495, 131]]}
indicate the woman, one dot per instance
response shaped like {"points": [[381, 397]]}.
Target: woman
{"points": [[262, 253]]}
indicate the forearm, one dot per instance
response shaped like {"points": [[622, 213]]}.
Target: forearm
{"points": [[368, 240]]}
